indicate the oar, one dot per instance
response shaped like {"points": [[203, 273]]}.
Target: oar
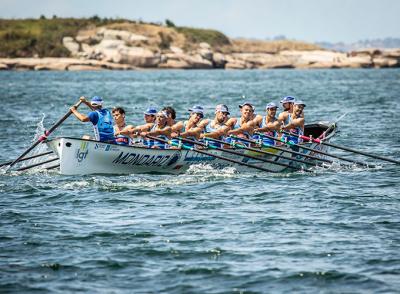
{"points": [[27, 158], [44, 137], [344, 148], [37, 164], [241, 146], [210, 154], [52, 167], [241, 154], [318, 151], [287, 150], [322, 136]]}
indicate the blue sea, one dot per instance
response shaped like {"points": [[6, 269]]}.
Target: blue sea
{"points": [[206, 231]]}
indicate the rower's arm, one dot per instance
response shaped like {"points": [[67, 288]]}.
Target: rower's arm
{"points": [[274, 126], [125, 131], [195, 132], [249, 126], [177, 127], [80, 116], [216, 134], [165, 131], [282, 117], [298, 122]]}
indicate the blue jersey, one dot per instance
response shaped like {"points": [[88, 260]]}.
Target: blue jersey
{"points": [[103, 125]]}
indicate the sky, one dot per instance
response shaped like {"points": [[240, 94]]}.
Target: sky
{"points": [[307, 20]]}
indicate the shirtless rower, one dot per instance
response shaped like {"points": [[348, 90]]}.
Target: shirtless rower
{"points": [[160, 129], [100, 117], [243, 126], [118, 114], [295, 123], [192, 127], [268, 125]]}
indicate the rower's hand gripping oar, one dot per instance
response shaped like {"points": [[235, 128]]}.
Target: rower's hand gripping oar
{"points": [[343, 148], [44, 137], [209, 154]]}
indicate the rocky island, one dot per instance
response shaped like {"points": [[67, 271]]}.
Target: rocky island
{"points": [[98, 44]]}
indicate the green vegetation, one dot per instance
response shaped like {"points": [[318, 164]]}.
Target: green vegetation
{"points": [[41, 37], [212, 37]]}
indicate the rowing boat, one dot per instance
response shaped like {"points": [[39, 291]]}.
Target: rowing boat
{"points": [[79, 156]]}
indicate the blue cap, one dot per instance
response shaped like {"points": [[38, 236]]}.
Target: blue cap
{"points": [[96, 100], [288, 99], [197, 109], [151, 111], [271, 105], [247, 103], [222, 108], [299, 102]]}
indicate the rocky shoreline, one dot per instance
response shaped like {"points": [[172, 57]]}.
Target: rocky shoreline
{"points": [[112, 49]]}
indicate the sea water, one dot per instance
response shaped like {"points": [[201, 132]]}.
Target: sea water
{"points": [[206, 231]]}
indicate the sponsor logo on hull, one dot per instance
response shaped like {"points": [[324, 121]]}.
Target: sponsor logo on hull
{"points": [[82, 152], [131, 158]]}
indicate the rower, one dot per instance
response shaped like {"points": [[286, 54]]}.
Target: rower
{"points": [[171, 115], [100, 117], [160, 130], [150, 115], [118, 114], [243, 126], [268, 125], [287, 104], [191, 128], [217, 128], [149, 118], [295, 124]]}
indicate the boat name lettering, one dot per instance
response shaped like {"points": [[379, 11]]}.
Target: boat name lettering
{"points": [[141, 159]]}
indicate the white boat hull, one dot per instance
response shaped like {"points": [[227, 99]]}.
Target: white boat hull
{"points": [[81, 157]]}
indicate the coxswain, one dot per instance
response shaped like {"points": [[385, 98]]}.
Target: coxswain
{"points": [[118, 114], [295, 123], [160, 130], [100, 117], [267, 125]]}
